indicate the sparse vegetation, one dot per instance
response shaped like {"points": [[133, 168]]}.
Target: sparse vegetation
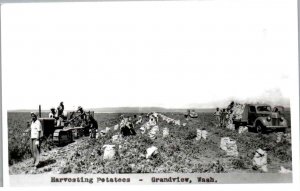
{"points": [[179, 152]]}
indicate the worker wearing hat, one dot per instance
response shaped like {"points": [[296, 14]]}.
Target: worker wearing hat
{"points": [[52, 113], [93, 126], [59, 114], [217, 115], [36, 129], [83, 119], [82, 112]]}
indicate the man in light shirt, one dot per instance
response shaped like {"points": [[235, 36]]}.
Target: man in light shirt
{"points": [[52, 113], [36, 129], [217, 115], [60, 114]]}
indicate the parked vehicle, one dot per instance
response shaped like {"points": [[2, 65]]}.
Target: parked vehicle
{"points": [[261, 117]]}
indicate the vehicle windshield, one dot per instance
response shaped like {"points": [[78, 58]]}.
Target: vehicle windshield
{"points": [[263, 108]]}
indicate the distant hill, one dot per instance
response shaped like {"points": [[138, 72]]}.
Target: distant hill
{"points": [[144, 110], [136, 110], [131, 110]]}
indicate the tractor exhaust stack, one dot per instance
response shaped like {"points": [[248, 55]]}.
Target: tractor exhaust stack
{"points": [[40, 111]]}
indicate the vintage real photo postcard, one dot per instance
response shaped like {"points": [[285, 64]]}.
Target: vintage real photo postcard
{"points": [[151, 92]]}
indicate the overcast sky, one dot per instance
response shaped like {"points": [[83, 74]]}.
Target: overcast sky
{"points": [[169, 54]]}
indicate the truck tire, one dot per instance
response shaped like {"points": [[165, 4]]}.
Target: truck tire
{"points": [[259, 128], [282, 130]]}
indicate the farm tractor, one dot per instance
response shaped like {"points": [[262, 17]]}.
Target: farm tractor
{"points": [[72, 127]]}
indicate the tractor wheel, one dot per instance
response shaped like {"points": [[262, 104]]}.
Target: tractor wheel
{"points": [[260, 128]]}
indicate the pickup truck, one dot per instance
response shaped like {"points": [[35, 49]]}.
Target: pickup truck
{"points": [[261, 117]]}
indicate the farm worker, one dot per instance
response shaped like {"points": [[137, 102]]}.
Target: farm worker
{"points": [[223, 117], [60, 111], [230, 106], [52, 113], [83, 120], [124, 120], [93, 125], [82, 113], [36, 129], [135, 119], [217, 114], [60, 108], [126, 126], [227, 117]]}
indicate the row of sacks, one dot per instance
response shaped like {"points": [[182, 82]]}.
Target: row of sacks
{"points": [[110, 152], [259, 160], [241, 129], [281, 137], [236, 110], [125, 126], [103, 132], [170, 120], [154, 131]]}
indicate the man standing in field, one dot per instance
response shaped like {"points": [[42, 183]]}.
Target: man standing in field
{"points": [[59, 114], [83, 120], [223, 117], [228, 119], [60, 108], [217, 114], [93, 126], [36, 129]]}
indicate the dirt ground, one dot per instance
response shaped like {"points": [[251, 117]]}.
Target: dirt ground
{"points": [[179, 152]]}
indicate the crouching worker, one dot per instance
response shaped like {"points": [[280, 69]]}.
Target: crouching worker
{"points": [[126, 127], [36, 129], [93, 126]]}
